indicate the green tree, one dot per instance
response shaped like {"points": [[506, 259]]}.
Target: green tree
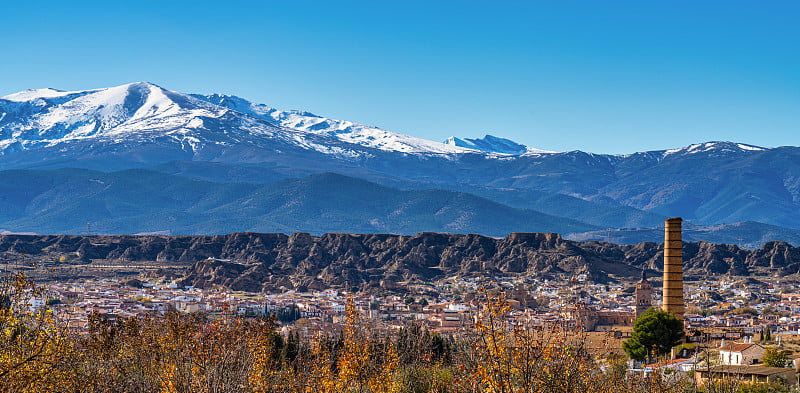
{"points": [[768, 335], [287, 314], [654, 333], [775, 358], [410, 300]]}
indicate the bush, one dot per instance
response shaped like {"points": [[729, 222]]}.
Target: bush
{"points": [[775, 358]]}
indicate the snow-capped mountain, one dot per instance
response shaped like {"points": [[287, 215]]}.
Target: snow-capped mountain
{"points": [[493, 144], [139, 113], [48, 116], [345, 131], [368, 136], [229, 139], [143, 112], [714, 147], [45, 117]]}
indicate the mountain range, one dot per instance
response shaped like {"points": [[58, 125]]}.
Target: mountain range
{"points": [[141, 158]]}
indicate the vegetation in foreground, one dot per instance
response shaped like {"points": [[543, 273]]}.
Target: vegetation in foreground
{"points": [[193, 353]]}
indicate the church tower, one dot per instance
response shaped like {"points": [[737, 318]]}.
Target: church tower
{"points": [[644, 295]]}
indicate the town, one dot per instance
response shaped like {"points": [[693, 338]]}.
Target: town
{"points": [[725, 318], [738, 307]]}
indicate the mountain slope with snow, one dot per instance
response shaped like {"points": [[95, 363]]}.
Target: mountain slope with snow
{"points": [[229, 139], [493, 144], [345, 131], [141, 113], [50, 116], [715, 148]]}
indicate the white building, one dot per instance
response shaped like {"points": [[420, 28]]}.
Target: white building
{"points": [[738, 354]]}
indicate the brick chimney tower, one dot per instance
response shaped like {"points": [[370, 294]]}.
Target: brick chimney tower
{"points": [[673, 268]]}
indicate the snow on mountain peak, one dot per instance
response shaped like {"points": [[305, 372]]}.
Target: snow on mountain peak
{"points": [[743, 146], [342, 130], [48, 116], [493, 144], [32, 94], [714, 147], [46, 93], [142, 112]]}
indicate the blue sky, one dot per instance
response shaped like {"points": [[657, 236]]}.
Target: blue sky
{"points": [[600, 76]]}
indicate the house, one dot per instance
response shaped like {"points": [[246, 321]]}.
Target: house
{"points": [[448, 318], [738, 354], [747, 374]]}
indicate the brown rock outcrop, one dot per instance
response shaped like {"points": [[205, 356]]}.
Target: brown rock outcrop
{"points": [[258, 261]]}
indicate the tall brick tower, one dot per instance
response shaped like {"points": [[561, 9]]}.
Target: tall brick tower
{"points": [[673, 268], [644, 295]]}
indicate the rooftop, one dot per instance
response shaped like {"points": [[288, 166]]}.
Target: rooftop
{"points": [[736, 347]]}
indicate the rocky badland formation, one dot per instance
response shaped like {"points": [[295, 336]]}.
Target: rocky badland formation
{"points": [[268, 262]]}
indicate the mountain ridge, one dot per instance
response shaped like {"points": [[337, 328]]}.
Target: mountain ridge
{"points": [[138, 200], [142, 125], [493, 144], [153, 94], [146, 201]]}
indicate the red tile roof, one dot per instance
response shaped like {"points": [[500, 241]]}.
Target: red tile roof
{"points": [[736, 347]]}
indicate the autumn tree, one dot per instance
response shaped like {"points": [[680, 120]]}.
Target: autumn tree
{"points": [[33, 347], [362, 362], [775, 358], [523, 357]]}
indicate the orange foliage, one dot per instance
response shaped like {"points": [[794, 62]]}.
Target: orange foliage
{"points": [[177, 353]]}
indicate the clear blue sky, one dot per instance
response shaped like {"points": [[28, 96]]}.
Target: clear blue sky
{"points": [[601, 76]]}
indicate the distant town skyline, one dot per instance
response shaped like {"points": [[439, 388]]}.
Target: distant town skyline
{"points": [[610, 77]]}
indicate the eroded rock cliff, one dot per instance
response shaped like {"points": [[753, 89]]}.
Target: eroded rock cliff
{"points": [[268, 262]]}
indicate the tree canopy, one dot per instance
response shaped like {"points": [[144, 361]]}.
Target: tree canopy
{"points": [[775, 358], [655, 332]]}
